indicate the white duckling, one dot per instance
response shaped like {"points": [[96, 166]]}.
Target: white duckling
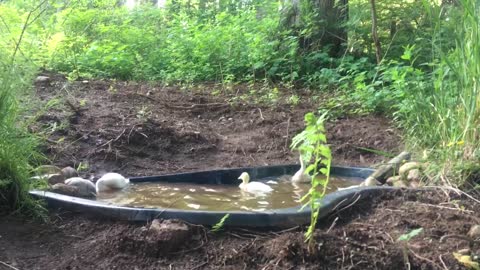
{"points": [[300, 176], [85, 187], [252, 187], [111, 181]]}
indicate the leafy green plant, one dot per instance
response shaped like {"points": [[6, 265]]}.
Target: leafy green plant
{"points": [[217, 227], [312, 144], [17, 146]]}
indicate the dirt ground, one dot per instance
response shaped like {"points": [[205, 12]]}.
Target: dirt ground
{"points": [[141, 129], [360, 237]]}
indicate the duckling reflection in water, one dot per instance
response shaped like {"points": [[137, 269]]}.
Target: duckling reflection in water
{"points": [[298, 191], [252, 187]]}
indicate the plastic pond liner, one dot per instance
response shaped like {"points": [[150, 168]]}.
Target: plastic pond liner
{"points": [[281, 217]]}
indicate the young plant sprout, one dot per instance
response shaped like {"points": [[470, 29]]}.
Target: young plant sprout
{"points": [[312, 143]]}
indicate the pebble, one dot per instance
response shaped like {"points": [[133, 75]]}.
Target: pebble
{"points": [[474, 232], [69, 172]]}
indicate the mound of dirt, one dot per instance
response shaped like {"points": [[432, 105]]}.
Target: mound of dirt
{"points": [[160, 239]]}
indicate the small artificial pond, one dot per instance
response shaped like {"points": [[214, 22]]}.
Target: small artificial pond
{"points": [[275, 211]]}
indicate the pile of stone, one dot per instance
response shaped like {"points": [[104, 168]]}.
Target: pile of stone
{"points": [[65, 181], [409, 175]]}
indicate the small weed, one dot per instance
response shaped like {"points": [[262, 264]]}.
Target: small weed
{"points": [[294, 100], [82, 166], [143, 113], [217, 227], [408, 236], [83, 102]]}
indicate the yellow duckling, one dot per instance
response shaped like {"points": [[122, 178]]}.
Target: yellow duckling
{"points": [[252, 187], [300, 176]]}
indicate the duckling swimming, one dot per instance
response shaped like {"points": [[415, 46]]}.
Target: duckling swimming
{"points": [[253, 187], [301, 176], [111, 181]]}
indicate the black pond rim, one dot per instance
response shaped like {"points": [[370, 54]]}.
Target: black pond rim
{"points": [[284, 217]]}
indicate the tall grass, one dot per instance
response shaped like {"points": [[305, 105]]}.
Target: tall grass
{"points": [[445, 114], [17, 145]]}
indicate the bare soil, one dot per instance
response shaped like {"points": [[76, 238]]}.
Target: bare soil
{"points": [[141, 129], [360, 237]]}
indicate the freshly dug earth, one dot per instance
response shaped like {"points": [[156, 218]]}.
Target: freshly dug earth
{"points": [[362, 236], [140, 129]]}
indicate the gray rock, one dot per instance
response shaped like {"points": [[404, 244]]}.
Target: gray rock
{"points": [[85, 187], [69, 172], [171, 231], [65, 189]]}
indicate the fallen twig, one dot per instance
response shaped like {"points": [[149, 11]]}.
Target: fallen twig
{"points": [[424, 259], [444, 207], [8, 265], [443, 263], [287, 230], [456, 236], [193, 106], [333, 225], [261, 115]]}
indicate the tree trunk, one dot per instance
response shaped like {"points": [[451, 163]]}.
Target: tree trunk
{"points": [[376, 41], [323, 20]]}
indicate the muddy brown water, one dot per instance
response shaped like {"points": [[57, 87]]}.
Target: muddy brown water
{"points": [[189, 196]]}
